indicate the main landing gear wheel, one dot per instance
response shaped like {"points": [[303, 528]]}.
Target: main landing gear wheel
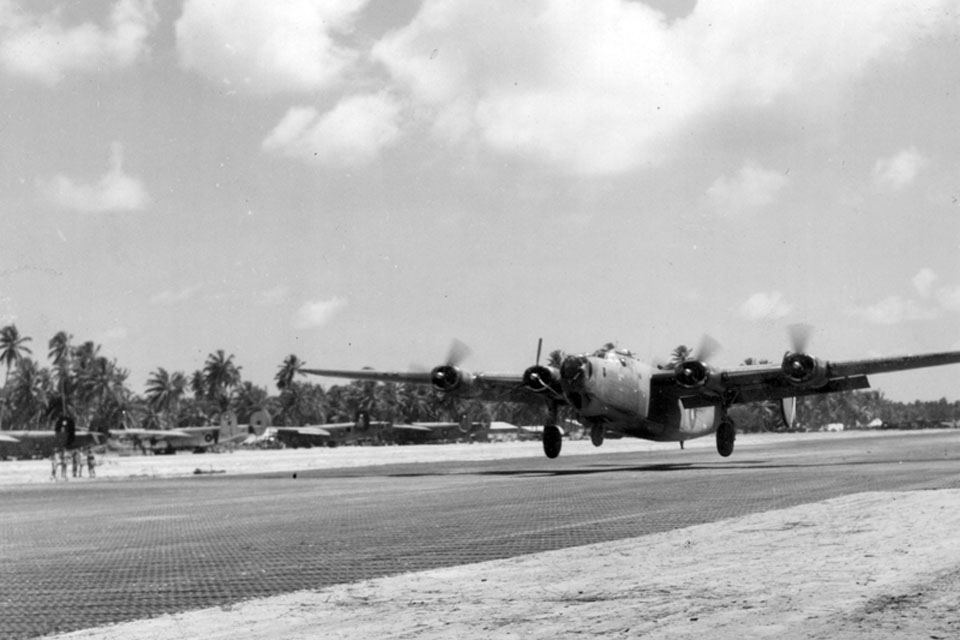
{"points": [[596, 434], [552, 440], [726, 436]]}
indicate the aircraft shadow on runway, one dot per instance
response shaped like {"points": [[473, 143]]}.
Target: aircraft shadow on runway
{"points": [[676, 467]]}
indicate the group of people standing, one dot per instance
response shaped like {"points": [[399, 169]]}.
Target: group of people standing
{"points": [[77, 459]]}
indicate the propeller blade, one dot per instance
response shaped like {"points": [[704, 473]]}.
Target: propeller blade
{"points": [[707, 349], [800, 337], [539, 347], [459, 352]]}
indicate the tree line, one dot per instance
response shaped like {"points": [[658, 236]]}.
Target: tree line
{"points": [[80, 381]]}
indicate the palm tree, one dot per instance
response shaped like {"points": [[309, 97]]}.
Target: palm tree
{"points": [[198, 385], [291, 367], [680, 354], [30, 390], [250, 398], [12, 350], [555, 359], [220, 375], [164, 390], [59, 353], [12, 347], [104, 393]]}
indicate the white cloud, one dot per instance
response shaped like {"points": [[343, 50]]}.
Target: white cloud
{"points": [[923, 282], [753, 188], [765, 306], [40, 47], [271, 297], [114, 191], [171, 297], [351, 134], [601, 86], [898, 171], [893, 310], [267, 47], [949, 298], [316, 314]]}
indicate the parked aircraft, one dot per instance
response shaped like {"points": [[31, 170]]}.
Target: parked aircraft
{"points": [[429, 432], [613, 391], [41, 444], [197, 439], [361, 431]]}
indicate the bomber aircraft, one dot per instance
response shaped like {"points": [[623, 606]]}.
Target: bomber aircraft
{"points": [[40, 444], [197, 439], [361, 431], [613, 391]]}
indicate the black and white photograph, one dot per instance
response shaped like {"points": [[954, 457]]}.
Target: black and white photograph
{"points": [[449, 319]]}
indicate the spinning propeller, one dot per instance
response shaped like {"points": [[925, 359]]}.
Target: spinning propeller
{"points": [[449, 376], [799, 368], [542, 378], [695, 372]]}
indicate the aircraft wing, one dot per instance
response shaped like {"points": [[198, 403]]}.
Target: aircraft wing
{"points": [[447, 378], [798, 375], [368, 374], [305, 431], [412, 427], [159, 434], [8, 438]]}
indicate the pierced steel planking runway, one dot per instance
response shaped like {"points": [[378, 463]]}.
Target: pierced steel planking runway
{"points": [[82, 555]]}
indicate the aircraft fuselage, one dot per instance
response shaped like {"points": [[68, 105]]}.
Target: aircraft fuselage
{"points": [[614, 390]]}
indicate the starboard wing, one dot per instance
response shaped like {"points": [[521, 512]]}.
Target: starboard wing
{"points": [[777, 381]]}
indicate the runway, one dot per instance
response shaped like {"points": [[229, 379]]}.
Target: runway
{"points": [[81, 555]]}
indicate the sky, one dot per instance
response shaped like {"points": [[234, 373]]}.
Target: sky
{"points": [[361, 182]]}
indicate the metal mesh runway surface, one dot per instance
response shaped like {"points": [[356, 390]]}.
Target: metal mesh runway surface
{"points": [[82, 555]]}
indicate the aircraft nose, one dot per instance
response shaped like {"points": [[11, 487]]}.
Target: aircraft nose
{"points": [[572, 369]]}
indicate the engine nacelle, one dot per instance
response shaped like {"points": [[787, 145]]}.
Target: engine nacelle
{"points": [[802, 370], [692, 374], [541, 379], [448, 378]]}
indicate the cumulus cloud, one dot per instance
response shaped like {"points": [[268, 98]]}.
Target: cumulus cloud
{"points": [[271, 297], [765, 306], [267, 47], [949, 298], [351, 134], [751, 189], [898, 171], [174, 296], [316, 314], [893, 310], [42, 48], [601, 86], [933, 301], [114, 191], [923, 282]]}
